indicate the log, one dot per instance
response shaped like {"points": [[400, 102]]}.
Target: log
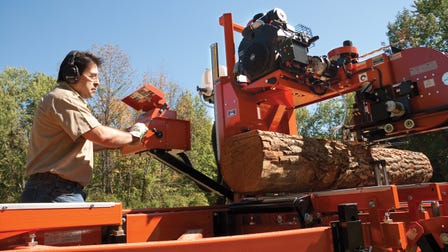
{"points": [[270, 162]]}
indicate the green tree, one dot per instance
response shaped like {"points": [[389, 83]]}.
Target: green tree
{"points": [[191, 108], [425, 25], [325, 119], [19, 94]]}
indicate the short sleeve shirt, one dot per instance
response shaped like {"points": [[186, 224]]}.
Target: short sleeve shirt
{"points": [[56, 142]]}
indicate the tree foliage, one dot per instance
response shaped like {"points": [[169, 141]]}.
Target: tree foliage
{"points": [[19, 94], [191, 108], [425, 25], [325, 119]]}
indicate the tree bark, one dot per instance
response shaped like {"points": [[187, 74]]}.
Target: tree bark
{"points": [[271, 162]]}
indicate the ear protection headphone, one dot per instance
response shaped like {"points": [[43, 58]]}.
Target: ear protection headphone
{"points": [[72, 72]]}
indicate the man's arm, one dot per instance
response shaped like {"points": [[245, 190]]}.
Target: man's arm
{"points": [[109, 138]]}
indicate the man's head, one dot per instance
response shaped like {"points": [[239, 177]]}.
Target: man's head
{"points": [[80, 69]]}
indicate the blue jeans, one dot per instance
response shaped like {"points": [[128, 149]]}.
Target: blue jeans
{"points": [[48, 187]]}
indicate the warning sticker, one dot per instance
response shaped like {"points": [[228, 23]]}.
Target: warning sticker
{"points": [[429, 66], [63, 237], [429, 83]]}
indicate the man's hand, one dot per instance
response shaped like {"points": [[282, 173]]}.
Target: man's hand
{"points": [[138, 130]]}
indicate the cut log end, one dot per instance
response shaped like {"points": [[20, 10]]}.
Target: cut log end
{"points": [[271, 162]]}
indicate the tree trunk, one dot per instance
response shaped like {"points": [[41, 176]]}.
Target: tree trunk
{"points": [[269, 162]]}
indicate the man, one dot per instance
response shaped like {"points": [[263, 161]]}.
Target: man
{"points": [[65, 133]]}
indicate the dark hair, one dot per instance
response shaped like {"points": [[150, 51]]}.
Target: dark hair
{"points": [[78, 60]]}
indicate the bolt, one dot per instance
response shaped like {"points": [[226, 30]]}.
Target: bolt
{"points": [[372, 204], [251, 222], [308, 218], [279, 219], [33, 242]]}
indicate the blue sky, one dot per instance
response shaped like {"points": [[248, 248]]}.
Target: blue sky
{"points": [[172, 36]]}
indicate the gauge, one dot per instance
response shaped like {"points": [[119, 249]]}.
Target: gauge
{"points": [[445, 78]]}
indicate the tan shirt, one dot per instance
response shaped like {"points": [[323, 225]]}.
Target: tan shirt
{"points": [[56, 142]]}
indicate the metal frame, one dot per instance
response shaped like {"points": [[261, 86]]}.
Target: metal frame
{"points": [[183, 166]]}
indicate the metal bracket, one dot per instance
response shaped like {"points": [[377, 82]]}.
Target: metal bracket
{"points": [[381, 172]]}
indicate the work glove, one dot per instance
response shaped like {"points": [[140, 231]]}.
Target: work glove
{"points": [[138, 130]]}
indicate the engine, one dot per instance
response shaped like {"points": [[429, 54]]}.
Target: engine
{"points": [[269, 43]]}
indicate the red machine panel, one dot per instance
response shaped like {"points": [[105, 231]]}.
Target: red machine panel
{"points": [[166, 132]]}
